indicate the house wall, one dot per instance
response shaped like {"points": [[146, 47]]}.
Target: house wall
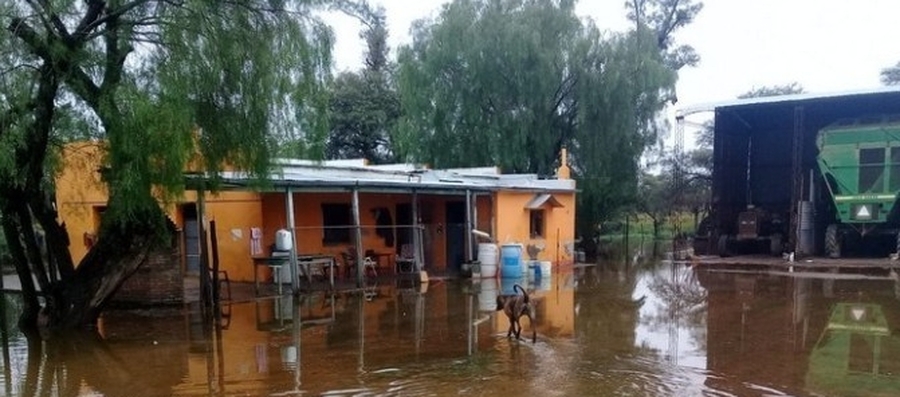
{"points": [[308, 219], [81, 196], [513, 221], [554, 306], [80, 192], [234, 214]]}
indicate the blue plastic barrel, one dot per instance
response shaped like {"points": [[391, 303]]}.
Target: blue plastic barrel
{"points": [[511, 261], [507, 285]]}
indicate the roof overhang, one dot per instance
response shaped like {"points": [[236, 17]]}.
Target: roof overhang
{"points": [[541, 199], [804, 97]]}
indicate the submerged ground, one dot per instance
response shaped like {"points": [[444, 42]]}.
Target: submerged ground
{"points": [[648, 329]]}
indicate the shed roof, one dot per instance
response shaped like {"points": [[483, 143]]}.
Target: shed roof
{"points": [[345, 174], [804, 97]]}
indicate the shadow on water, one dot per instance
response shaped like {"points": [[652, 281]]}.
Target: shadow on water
{"points": [[645, 328]]}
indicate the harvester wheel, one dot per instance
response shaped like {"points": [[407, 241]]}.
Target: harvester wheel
{"points": [[722, 245], [898, 243], [775, 245], [832, 241]]}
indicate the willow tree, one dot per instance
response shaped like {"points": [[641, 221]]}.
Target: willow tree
{"points": [[510, 82], [142, 76], [491, 83]]}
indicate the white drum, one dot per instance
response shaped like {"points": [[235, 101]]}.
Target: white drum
{"points": [[283, 240]]}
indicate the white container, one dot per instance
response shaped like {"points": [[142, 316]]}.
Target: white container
{"points": [[488, 271], [487, 297], [532, 267], [283, 240], [489, 257], [488, 254], [546, 269]]}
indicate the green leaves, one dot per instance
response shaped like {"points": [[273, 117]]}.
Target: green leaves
{"points": [[489, 83], [144, 75], [509, 82], [364, 106]]}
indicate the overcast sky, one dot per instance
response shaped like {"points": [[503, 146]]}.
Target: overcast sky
{"points": [[825, 45]]}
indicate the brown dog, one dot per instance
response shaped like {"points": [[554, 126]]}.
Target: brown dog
{"points": [[516, 306]]}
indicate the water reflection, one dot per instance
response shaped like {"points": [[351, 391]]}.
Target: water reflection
{"points": [[615, 329]]}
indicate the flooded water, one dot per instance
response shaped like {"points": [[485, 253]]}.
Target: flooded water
{"points": [[660, 330]]}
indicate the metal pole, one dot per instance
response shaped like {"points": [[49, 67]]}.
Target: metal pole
{"points": [[215, 263], [797, 176], [417, 243], [204, 248], [360, 269], [297, 325], [289, 209], [468, 239]]}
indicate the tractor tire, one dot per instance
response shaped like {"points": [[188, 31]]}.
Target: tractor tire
{"points": [[776, 245], [722, 246], [898, 244], [832, 241]]}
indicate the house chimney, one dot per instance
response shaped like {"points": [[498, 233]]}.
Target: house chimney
{"points": [[563, 171]]}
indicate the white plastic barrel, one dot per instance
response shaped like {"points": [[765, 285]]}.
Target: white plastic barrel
{"points": [[487, 297], [488, 257], [283, 240], [546, 268]]}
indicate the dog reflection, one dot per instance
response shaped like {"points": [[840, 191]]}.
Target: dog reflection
{"points": [[516, 306]]}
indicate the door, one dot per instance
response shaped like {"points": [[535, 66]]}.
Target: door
{"points": [[404, 231], [456, 235], [191, 239]]}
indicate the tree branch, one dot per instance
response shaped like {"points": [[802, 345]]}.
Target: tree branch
{"points": [[110, 14], [21, 29], [94, 9]]}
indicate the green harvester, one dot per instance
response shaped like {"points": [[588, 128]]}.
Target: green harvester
{"points": [[860, 162]]}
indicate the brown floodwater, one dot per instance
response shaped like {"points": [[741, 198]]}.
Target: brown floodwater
{"points": [[652, 330]]}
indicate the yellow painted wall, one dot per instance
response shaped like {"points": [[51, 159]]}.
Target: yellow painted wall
{"points": [[554, 310], [81, 196], [513, 222], [308, 219], [80, 192], [234, 213]]}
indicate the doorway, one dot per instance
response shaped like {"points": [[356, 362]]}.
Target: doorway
{"points": [[403, 230], [456, 235], [191, 239]]}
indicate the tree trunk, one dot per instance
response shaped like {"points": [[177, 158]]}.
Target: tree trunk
{"points": [[122, 247]]}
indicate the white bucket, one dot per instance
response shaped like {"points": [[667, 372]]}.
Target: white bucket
{"points": [[487, 297], [546, 269], [488, 254], [489, 271], [283, 240], [531, 268]]}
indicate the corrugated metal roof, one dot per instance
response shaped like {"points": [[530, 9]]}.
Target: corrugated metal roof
{"points": [[708, 107], [320, 175]]}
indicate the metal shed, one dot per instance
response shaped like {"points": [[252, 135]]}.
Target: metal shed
{"points": [[764, 155]]}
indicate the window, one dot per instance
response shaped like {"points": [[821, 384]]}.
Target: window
{"points": [[895, 169], [871, 170], [536, 223], [336, 224]]}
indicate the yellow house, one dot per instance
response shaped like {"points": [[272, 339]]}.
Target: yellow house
{"points": [[320, 197]]}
